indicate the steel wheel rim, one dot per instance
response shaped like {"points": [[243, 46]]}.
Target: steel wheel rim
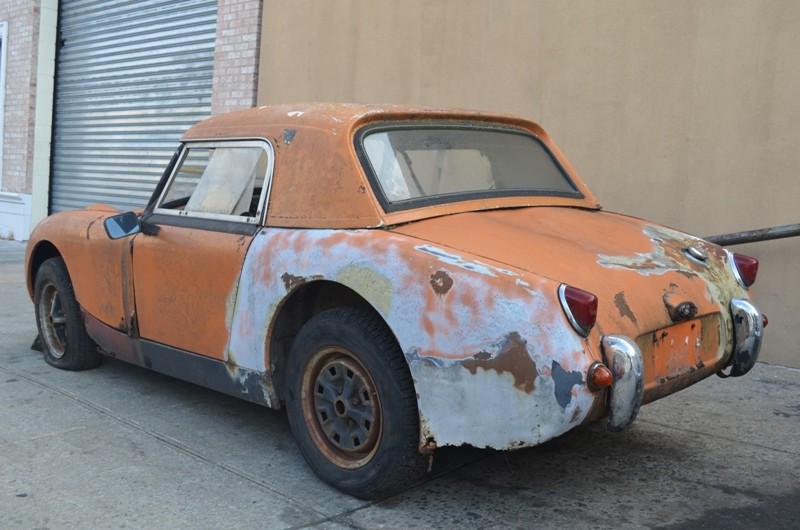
{"points": [[53, 321], [342, 408]]}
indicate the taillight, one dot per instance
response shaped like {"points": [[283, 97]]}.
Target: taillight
{"points": [[580, 308], [745, 268]]}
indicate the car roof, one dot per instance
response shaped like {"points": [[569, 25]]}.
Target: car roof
{"points": [[318, 180]]}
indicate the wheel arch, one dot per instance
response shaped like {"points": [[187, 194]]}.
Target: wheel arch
{"points": [[43, 251], [297, 308]]}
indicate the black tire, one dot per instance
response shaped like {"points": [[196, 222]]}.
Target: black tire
{"points": [[359, 429], [65, 343]]}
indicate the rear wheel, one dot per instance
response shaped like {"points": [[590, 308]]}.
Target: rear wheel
{"points": [[352, 405], [65, 342]]}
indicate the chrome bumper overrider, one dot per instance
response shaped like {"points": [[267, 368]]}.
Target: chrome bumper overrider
{"points": [[748, 330], [625, 394]]}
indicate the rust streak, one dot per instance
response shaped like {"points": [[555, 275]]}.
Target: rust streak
{"points": [[622, 306]]}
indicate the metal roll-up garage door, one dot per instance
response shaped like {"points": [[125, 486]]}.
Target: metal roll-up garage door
{"points": [[131, 77]]}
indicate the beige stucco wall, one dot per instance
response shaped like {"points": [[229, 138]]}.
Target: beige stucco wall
{"points": [[685, 112]]}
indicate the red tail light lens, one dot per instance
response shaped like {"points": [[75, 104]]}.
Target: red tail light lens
{"points": [[580, 307], [746, 268]]}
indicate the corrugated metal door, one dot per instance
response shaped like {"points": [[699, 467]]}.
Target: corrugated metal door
{"points": [[131, 78]]}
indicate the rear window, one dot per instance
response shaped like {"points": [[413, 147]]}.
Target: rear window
{"points": [[414, 166]]}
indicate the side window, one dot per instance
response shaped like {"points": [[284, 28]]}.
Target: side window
{"points": [[219, 179]]}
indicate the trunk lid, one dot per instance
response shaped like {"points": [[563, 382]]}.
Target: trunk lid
{"points": [[639, 271]]}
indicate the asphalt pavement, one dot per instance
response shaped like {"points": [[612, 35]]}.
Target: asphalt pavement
{"points": [[121, 447]]}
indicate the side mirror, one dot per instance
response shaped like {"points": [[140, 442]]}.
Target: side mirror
{"points": [[122, 225]]}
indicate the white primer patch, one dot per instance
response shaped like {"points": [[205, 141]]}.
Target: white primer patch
{"points": [[441, 330]]}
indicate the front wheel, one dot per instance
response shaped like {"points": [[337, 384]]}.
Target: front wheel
{"points": [[65, 342], [352, 406]]}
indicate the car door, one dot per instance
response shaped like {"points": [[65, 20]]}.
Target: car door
{"points": [[186, 271]]}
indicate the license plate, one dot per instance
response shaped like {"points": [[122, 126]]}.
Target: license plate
{"points": [[677, 350]]}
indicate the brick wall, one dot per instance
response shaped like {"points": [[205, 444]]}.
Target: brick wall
{"points": [[236, 55], [19, 109]]}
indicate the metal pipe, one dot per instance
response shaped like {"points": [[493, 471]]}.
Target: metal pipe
{"points": [[754, 236]]}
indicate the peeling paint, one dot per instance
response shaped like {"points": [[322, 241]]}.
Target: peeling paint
{"points": [[667, 254], [564, 383], [501, 415], [439, 333], [291, 281], [373, 286], [512, 357], [456, 261], [441, 282], [622, 306]]}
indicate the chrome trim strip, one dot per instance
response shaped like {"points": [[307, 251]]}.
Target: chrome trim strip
{"points": [[748, 332], [625, 394]]}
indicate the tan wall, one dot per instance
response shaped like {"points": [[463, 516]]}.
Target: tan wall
{"points": [[684, 112]]}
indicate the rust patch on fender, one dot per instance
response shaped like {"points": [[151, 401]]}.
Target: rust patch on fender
{"points": [[290, 281], [512, 358], [441, 282], [622, 306], [427, 442]]}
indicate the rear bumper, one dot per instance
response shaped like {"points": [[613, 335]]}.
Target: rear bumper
{"points": [[748, 331], [625, 394], [627, 364]]}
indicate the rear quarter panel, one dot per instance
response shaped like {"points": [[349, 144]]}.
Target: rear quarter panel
{"points": [[492, 356]]}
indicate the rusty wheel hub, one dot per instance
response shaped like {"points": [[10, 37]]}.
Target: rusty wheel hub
{"points": [[341, 408], [53, 321]]}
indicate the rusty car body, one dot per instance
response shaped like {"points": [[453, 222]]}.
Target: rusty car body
{"points": [[399, 278]]}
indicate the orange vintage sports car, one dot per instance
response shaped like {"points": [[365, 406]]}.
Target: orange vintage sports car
{"points": [[399, 279]]}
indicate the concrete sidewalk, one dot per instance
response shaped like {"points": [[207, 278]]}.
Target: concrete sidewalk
{"points": [[125, 448]]}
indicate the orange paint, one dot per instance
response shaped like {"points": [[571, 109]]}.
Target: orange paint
{"points": [[176, 262], [469, 287]]}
